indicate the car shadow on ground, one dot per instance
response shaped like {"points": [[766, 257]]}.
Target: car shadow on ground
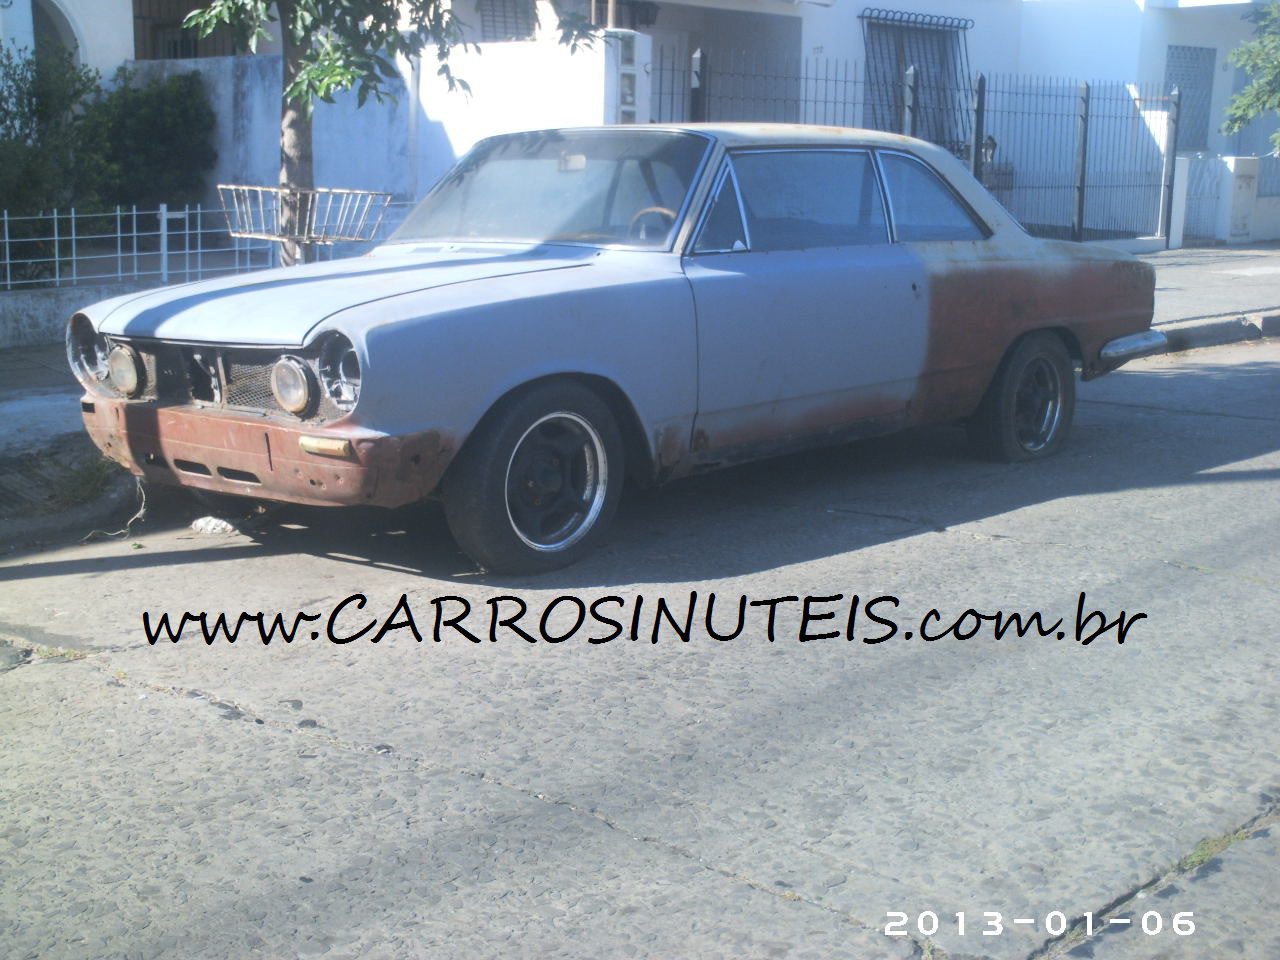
{"points": [[1147, 429]]}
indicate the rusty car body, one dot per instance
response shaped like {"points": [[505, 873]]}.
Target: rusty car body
{"points": [[569, 307]]}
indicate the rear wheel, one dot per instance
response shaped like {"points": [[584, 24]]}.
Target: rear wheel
{"points": [[1028, 409], [537, 484]]}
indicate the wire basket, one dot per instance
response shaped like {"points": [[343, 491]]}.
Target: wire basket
{"points": [[323, 216]]}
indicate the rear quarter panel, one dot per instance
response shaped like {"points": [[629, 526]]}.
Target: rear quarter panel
{"points": [[985, 295]]}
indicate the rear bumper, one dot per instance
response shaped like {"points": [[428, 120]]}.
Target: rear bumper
{"points": [[253, 457], [1116, 352]]}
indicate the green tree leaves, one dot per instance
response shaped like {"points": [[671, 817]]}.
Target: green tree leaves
{"points": [[1260, 59], [352, 44]]}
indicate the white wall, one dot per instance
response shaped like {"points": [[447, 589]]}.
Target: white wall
{"points": [[103, 30], [403, 145], [1129, 40], [365, 148], [519, 85], [1266, 219], [1082, 39]]}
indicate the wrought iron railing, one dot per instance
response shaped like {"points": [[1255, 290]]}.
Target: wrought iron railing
{"points": [[171, 244]]}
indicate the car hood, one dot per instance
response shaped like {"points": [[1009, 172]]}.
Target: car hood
{"points": [[281, 307]]}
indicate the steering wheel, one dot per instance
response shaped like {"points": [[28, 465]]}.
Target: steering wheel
{"points": [[665, 212]]}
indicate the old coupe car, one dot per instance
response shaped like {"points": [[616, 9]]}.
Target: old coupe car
{"points": [[570, 308]]}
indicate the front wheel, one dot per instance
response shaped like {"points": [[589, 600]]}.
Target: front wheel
{"points": [[537, 484], [1028, 409]]}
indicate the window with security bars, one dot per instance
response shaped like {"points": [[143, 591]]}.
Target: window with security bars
{"points": [[158, 33], [936, 47], [1190, 69], [502, 20]]}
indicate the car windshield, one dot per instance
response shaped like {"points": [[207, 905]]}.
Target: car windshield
{"points": [[606, 187]]}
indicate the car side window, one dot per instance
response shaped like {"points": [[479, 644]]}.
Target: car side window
{"points": [[801, 199], [924, 208], [722, 231]]}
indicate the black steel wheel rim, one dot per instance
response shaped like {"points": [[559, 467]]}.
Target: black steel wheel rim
{"points": [[1037, 406], [556, 482]]}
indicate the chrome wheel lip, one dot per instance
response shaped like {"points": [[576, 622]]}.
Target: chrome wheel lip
{"points": [[1044, 422], [597, 481]]}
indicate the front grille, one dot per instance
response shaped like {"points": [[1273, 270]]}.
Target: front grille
{"points": [[162, 373], [249, 381], [237, 379]]}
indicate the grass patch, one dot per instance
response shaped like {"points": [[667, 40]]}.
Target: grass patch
{"points": [[57, 653], [1206, 850], [83, 483]]}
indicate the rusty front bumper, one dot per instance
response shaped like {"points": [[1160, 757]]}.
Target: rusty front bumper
{"points": [[253, 457]]}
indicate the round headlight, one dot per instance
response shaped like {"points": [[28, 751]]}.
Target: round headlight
{"points": [[124, 369], [291, 385]]}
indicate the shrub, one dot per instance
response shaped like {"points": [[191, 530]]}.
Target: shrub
{"points": [[41, 112], [150, 143], [65, 140]]}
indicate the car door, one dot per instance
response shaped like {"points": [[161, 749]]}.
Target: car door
{"points": [[810, 322]]}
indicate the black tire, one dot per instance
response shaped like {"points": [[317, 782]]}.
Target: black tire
{"points": [[537, 483], [1027, 411]]}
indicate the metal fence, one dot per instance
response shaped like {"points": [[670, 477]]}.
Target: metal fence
{"points": [[1068, 159], [1078, 161], [730, 85], [142, 247]]}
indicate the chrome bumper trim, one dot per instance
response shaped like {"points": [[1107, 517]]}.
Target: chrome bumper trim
{"points": [[1137, 345]]}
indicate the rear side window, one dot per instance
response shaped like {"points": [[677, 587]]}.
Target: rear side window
{"points": [[924, 208], [800, 199]]}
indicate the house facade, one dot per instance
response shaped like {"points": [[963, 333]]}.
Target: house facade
{"points": [[1186, 43], [824, 61]]}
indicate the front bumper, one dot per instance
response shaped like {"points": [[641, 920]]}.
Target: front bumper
{"points": [[253, 457], [1121, 350]]}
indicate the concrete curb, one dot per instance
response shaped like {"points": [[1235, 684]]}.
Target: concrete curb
{"points": [[117, 503], [1216, 331]]}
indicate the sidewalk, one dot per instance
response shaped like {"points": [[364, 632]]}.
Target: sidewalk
{"points": [[51, 475], [1216, 281], [37, 397]]}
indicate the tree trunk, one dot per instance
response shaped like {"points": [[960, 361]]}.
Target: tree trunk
{"points": [[296, 161]]}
